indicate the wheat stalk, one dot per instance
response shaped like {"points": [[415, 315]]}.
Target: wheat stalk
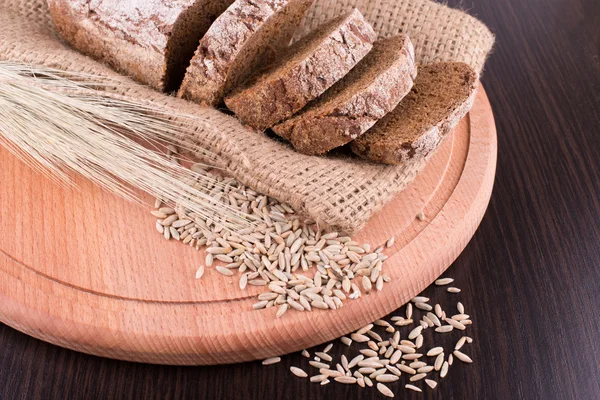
{"points": [[57, 121]]}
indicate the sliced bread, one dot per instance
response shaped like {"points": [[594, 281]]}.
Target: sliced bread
{"points": [[443, 93], [372, 89], [150, 40], [308, 69], [246, 37]]}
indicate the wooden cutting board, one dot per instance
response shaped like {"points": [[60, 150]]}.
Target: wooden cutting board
{"points": [[86, 270]]}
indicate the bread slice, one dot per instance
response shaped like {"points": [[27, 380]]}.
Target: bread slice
{"points": [[247, 36], [307, 70], [443, 93], [372, 89], [151, 41]]}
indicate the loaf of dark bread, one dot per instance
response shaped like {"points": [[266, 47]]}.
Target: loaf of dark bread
{"points": [[149, 40]]}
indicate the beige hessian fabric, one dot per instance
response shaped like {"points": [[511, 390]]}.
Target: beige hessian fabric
{"points": [[341, 193]]}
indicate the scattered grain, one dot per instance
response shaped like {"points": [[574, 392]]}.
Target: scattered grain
{"points": [[444, 281], [412, 387], [349, 380], [272, 360], [461, 342], [431, 383], [435, 351], [298, 372], [384, 390], [462, 356], [444, 370]]}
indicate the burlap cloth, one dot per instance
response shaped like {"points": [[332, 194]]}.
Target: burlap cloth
{"points": [[339, 192]]}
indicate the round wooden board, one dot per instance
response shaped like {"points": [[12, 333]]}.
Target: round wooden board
{"points": [[84, 269]]}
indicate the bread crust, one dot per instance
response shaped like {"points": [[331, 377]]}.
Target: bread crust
{"points": [[357, 102], [324, 58]]}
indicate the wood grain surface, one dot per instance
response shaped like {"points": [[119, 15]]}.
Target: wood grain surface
{"points": [[530, 276], [102, 281]]}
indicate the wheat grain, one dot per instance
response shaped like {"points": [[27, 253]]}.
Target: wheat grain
{"points": [[439, 361], [390, 242], [243, 281], [417, 377], [224, 271], [444, 370], [330, 373], [298, 372], [455, 324], [406, 369], [386, 378], [364, 329], [324, 356], [359, 338], [384, 390], [414, 356], [444, 281], [460, 317], [431, 383], [319, 365], [417, 364], [415, 332], [272, 360], [282, 310], [462, 356], [435, 351], [345, 379], [354, 362], [412, 387], [444, 329]]}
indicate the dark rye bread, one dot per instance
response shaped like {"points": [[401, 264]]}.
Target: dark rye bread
{"points": [[372, 89], [151, 41], [308, 69], [247, 36], [443, 94]]}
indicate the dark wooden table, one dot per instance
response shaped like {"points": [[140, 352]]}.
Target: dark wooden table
{"points": [[530, 276]]}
